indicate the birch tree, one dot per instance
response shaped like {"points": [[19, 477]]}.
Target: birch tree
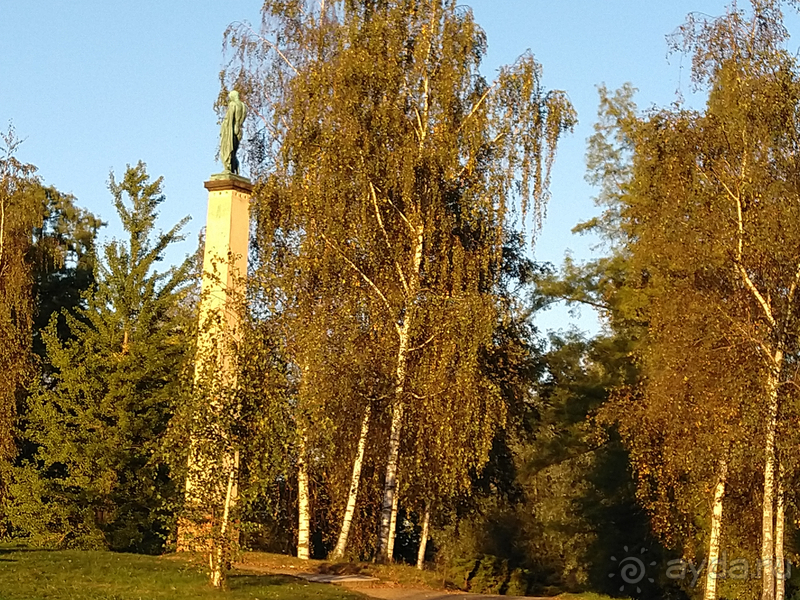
{"points": [[752, 108], [399, 159], [334, 364], [19, 213], [705, 214]]}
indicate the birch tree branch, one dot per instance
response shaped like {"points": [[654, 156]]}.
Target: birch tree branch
{"points": [[475, 108], [374, 197], [271, 45], [399, 212], [760, 343], [756, 294], [361, 273], [423, 344], [743, 272], [790, 298]]}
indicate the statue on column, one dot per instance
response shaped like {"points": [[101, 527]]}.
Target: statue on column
{"points": [[231, 133]]}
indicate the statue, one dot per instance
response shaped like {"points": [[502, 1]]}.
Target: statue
{"points": [[231, 133]]}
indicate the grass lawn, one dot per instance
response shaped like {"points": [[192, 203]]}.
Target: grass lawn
{"points": [[29, 574]]}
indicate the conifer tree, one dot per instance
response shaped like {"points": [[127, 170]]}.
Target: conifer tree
{"points": [[46, 259], [99, 476]]}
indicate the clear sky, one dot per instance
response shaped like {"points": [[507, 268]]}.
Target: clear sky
{"points": [[94, 85]]}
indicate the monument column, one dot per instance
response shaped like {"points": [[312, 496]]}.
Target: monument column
{"points": [[213, 462], [219, 331]]}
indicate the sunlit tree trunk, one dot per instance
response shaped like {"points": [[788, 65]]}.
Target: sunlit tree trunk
{"points": [[767, 511], [780, 561], [423, 539], [390, 481], [712, 574], [303, 516], [355, 479], [220, 551], [389, 505], [393, 521]]}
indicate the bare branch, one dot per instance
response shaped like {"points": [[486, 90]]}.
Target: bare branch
{"points": [[734, 197], [758, 342], [740, 229], [475, 108], [269, 43], [790, 298], [420, 130], [426, 396], [423, 344], [386, 238], [756, 294], [363, 275], [399, 212], [742, 271]]}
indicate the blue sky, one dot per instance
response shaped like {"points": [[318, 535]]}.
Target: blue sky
{"points": [[94, 85]]}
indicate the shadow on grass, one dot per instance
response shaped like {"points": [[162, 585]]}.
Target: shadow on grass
{"points": [[343, 568], [239, 581], [9, 549]]}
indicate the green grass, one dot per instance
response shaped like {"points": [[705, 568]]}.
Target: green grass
{"points": [[28, 574]]}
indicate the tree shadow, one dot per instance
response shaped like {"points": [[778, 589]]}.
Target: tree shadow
{"points": [[341, 568], [22, 549], [237, 581], [623, 533]]}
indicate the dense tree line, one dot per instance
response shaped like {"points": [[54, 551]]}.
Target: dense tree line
{"points": [[392, 399]]}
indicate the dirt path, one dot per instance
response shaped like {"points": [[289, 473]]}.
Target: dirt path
{"points": [[401, 593], [375, 588]]}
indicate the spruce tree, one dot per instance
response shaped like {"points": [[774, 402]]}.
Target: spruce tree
{"points": [[100, 476]]}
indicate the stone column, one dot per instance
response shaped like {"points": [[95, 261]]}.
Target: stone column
{"points": [[219, 331]]}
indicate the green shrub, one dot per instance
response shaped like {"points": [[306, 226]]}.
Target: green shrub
{"points": [[460, 571], [518, 582], [491, 575]]}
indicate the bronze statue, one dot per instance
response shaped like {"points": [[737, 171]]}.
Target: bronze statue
{"points": [[231, 133]]}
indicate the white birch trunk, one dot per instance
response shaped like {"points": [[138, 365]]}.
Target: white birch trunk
{"points": [[767, 512], [780, 561], [712, 574], [355, 479], [423, 540], [220, 549], [393, 521], [390, 480], [303, 516]]}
